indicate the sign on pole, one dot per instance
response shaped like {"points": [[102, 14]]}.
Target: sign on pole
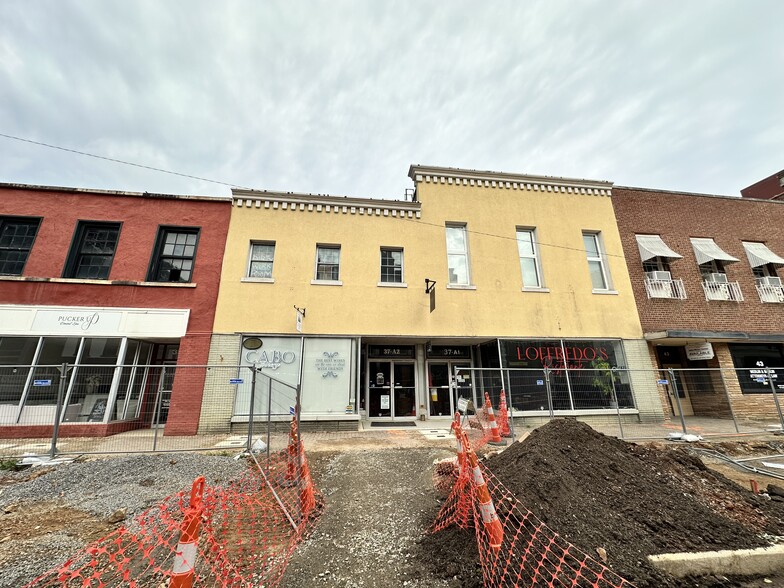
{"points": [[299, 322], [236, 381], [42, 382]]}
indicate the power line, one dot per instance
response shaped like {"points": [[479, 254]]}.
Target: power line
{"points": [[149, 167]]}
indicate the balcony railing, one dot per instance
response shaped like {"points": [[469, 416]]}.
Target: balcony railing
{"points": [[722, 291], [665, 289], [770, 293]]}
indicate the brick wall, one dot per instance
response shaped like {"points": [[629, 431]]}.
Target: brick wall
{"points": [[217, 404]]}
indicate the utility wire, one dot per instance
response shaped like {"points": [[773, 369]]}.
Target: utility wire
{"points": [[158, 169], [166, 171]]}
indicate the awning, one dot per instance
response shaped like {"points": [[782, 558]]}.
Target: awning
{"points": [[759, 254], [706, 250], [652, 246]]}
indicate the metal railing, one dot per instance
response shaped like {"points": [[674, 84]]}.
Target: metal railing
{"points": [[665, 289], [768, 293], [722, 291]]}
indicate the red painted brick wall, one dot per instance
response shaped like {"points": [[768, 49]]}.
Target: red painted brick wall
{"points": [[770, 187], [140, 217], [677, 217]]}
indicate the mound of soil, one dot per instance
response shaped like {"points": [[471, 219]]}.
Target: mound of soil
{"points": [[631, 500]]}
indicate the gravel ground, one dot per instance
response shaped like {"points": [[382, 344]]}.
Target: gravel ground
{"points": [[66, 507], [379, 503]]}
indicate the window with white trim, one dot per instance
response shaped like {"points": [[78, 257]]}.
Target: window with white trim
{"points": [[529, 258], [391, 265], [262, 254], [596, 262], [327, 263], [457, 255]]}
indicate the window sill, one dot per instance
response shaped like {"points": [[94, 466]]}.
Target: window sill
{"points": [[610, 292], [460, 287], [258, 280], [535, 289], [99, 282], [326, 282], [392, 285]]}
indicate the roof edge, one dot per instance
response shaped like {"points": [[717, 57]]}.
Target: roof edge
{"points": [[417, 171], [302, 198], [99, 192]]}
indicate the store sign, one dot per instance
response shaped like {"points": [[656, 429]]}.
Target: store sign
{"points": [[555, 357], [699, 351], [330, 364], [270, 359], [77, 321], [447, 352], [391, 352]]}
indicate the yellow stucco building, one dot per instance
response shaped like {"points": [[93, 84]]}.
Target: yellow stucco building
{"points": [[521, 272]]}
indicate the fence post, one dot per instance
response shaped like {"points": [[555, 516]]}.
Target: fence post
{"points": [[510, 409], [729, 400], [547, 371], [157, 409], [63, 369], [269, 418], [613, 371], [251, 407], [775, 396], [677, 398]]}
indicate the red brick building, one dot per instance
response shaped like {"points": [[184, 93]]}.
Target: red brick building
{"points": [[101, 280], [706, 276], [771, 188]]}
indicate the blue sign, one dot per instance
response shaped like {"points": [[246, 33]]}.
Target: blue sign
{"points": [[662, 382], [291, 410], [42, 382], [236, 381], [540, 382]]}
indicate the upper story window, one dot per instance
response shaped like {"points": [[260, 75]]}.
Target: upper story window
{"points": [[656, 257], [764, 265], [529, 258], [327, 263], [457, 255], [596, 261], [391, 265], [262, 254], [174, 254], [712, 259], [17, 235], [92, 250]]}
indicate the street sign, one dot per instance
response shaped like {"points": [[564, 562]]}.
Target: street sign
{"points": [[540, 382], [662, 382], [236, 381], [42, 382], [291, 410]]}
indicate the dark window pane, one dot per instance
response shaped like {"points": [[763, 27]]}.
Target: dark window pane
{"points": [[16, 240], [93, 251], [173, 258]]}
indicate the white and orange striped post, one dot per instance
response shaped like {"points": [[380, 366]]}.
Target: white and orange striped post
{"points": [[490, 520], [185, 557], [459, 445], [495, 437], [503, 417]]}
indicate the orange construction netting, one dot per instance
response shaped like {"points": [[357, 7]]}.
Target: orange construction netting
{"points": [[248, 531], [515, 548]]}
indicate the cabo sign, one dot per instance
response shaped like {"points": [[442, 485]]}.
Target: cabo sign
{"points": [[271, 359]]}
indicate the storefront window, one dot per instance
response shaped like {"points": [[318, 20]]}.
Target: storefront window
{"points": [[580, 374], [753, 363], [90, 391], [54, 351], [15, 354]]}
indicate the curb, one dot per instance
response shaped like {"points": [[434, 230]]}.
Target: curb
{"points": [[740, 562]]}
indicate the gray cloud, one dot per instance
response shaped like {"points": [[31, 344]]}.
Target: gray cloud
{"points": [[340, 97]]}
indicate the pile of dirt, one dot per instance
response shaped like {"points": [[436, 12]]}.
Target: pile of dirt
{"points": [[631, 500]]}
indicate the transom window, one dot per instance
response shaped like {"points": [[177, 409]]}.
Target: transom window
{"points": [[262, 255], [391, 266], [328, 263], [92, 251], [596, 266], [16, 240], [174, 254], [457, 255], [529, 262]]}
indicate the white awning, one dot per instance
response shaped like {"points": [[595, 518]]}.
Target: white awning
{"points": [[706, 250], [653, 246], [759, 254]]}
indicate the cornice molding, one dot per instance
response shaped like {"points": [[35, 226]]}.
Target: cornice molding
{"points": [[490, 179], [325, 204]]}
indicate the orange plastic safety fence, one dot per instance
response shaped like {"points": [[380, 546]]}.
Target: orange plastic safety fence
{"points": [[531, 554], [249, 530]]}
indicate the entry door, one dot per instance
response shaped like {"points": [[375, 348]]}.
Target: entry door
{"points": [[683, 391], [391, 389], [444, 389]]}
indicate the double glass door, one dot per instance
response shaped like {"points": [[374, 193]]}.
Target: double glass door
{"points": [[391, 389], [444, 389]]}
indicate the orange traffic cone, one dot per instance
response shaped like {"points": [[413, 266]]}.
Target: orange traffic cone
{"points": [[307, 495], [495, 437], [492, 524], [185, 557], [503, 417], [459, 445]]}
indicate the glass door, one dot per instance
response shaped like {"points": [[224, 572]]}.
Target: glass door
{"points": [[444, 388], [391, 389], [404, 398], [380, 389]]}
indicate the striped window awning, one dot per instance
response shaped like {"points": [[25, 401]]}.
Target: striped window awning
{"points": [[706, 250], [759, 254], [653, 246]]}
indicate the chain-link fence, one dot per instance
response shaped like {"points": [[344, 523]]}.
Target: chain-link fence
{"points": [[82, 409], [638, 404]]}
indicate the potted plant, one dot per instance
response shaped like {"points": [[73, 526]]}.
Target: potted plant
{"points": [[604, 379]]}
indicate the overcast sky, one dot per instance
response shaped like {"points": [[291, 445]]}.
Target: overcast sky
{"points": [[340, 97]]}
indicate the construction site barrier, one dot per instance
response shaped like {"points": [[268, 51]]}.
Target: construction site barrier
{"points": [[233, 536], [515, 547]]}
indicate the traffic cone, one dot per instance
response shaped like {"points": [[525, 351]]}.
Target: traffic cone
{"points": [[463, 506], [490, 520], [503, 417], [185, 557], [495, 437], [307, 495], [459, 445]]}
